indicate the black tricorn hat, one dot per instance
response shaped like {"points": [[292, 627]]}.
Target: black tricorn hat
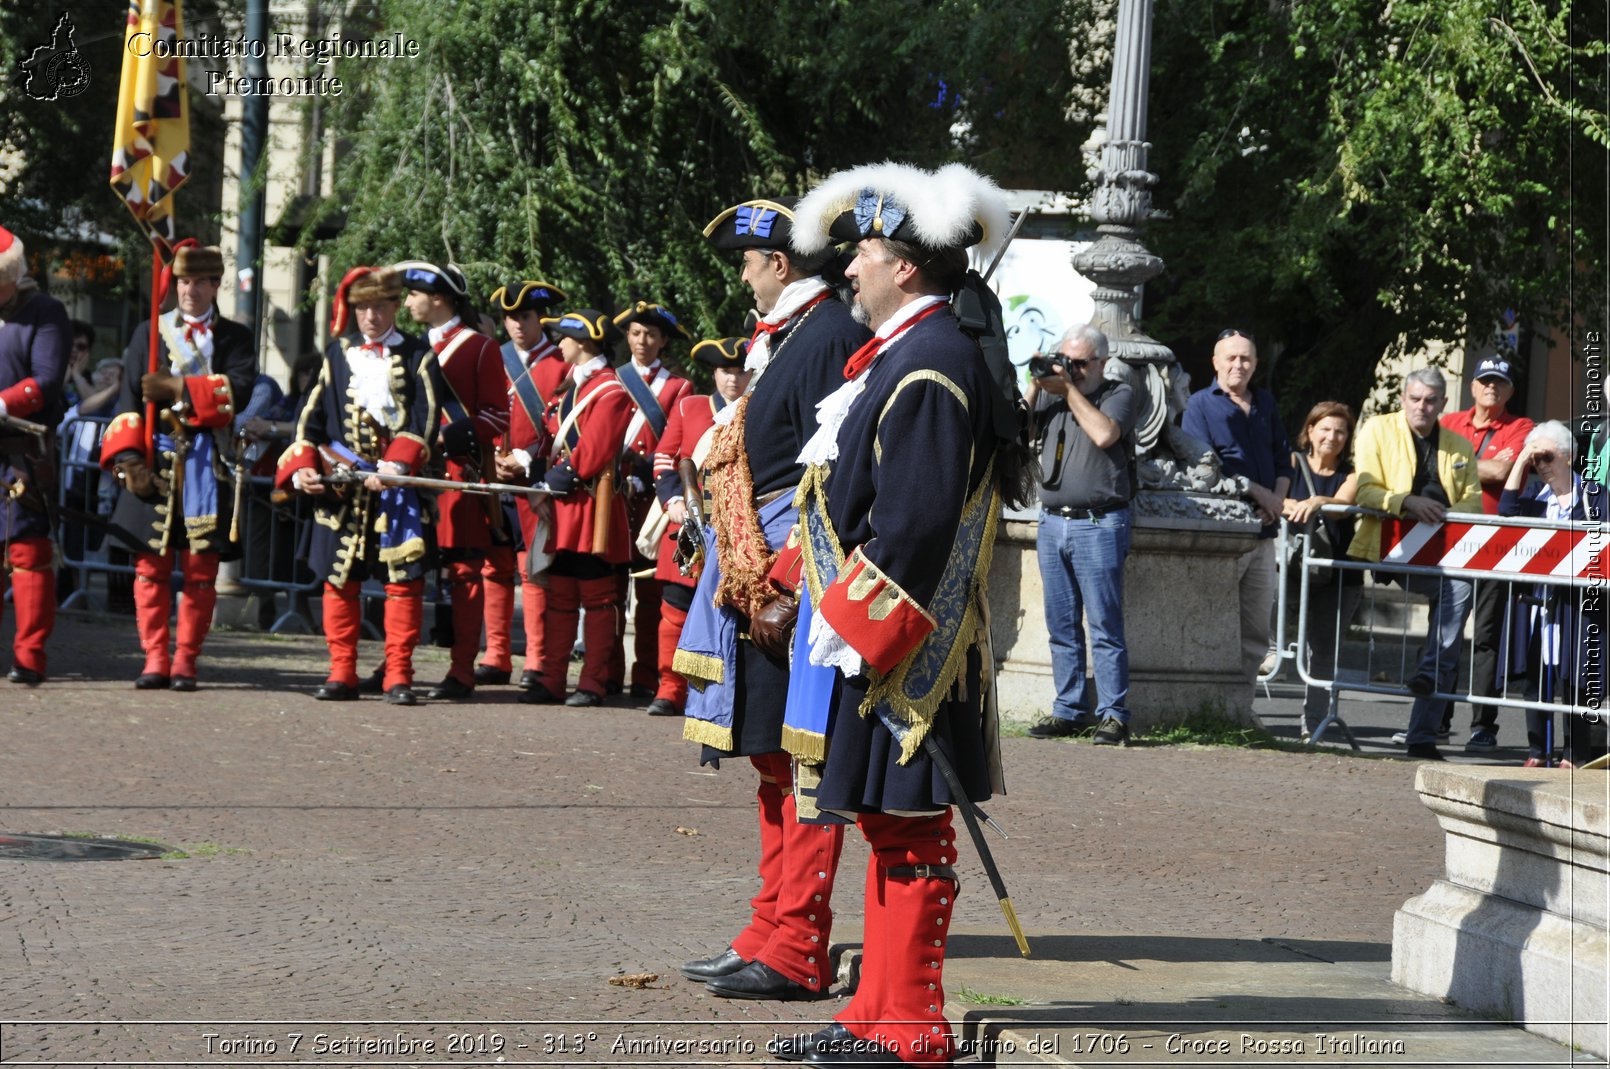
{"points": [[527, 296], [652, 315], [762, 223], [426, 277], [722, 352], [584, 324]]}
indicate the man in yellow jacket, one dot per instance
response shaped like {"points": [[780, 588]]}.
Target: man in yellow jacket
{"points": [[1411, 466]]}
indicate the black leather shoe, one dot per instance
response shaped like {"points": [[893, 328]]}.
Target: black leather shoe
{"points": [[1059, 727], [640, 692], [26, 676], [375, 683], [529, 679], [401, 694], [451, 690], [723, 964], [332, 690], [539, 694], [486, 675], [853, 1052], [183, 684], [151, 681], [614, 689], [757, 980], [799, 1046], [663, 707], [584, 699]]}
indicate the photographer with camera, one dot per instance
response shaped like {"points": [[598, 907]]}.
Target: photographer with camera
{"points": [[1083, 423]]}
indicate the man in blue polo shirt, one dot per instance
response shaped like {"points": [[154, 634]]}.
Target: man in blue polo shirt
{"points": [[1244, 429]]}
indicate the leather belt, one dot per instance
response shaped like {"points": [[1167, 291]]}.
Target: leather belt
{"points": [[1084, 514], [766, 499], [924, 872]]}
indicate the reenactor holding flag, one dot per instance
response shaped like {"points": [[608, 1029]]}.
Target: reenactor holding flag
{"points": [[472, 395], [682, 449], [589, 542], [371, 410], [655, 391], [35, 343], [177, 489], [535, 372]]}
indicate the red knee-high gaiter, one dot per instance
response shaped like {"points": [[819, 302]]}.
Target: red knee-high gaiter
{"points": [[900, 1000], [198, 598], [763, 907], [469, 605], [535, 605], [33, 596], [600, 626], [497, 575], [803, 911], [153, 601], [646, 634], [342, 625], [672, 687], [559, 630], [404, 617]]}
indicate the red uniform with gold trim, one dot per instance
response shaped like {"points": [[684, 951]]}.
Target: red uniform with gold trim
{"points": [[637, 466], [472, 394], [548, 373], [586, 426], [188, 524]]}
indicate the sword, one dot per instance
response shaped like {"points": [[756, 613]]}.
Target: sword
{"points": [[352, 477]]}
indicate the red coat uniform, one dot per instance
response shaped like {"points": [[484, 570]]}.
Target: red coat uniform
{"points": [[549, 374], [640, 439], [690, 422], [467, 369], [585, 446]]}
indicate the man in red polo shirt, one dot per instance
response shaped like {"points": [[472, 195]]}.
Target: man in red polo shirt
{"points": [[1497, 436]]}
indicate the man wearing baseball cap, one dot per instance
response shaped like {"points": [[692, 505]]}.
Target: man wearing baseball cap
{"points": [[35, 344], [1497, 437]]}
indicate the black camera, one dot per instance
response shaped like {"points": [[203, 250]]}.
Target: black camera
{"points": [[1044, 365]]}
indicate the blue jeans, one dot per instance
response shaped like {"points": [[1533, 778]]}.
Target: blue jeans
{"points": [[1450, 604], [1082, 571]]}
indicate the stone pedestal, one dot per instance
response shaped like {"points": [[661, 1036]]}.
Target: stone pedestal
{"points": [[1181, 622], [1516, 928]]}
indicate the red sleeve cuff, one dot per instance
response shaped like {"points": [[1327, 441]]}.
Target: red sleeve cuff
{"points": [[211, 402], [124, 433], [409, 450], [788, 569], [869, 611], [296, 456], [24, 398]]}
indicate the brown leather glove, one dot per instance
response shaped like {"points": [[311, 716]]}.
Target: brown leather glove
{"points": [[160, 388], [138, 479], [772, 626]]}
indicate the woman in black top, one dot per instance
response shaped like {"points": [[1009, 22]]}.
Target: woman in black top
{"points": [[1325, 476]]}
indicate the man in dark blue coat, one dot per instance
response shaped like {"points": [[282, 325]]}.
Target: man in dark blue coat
{"points": [[35, 342]]}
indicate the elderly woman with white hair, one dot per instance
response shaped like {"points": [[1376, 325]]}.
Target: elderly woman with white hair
{"points": [[1553, 630]]}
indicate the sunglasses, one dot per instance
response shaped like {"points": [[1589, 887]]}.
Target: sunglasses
{"points": [[1493, 380], [1236, 332]]}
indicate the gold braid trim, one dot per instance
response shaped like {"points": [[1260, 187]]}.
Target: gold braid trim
{"points": [[699, 669], [890, 690], [702, 731], [740, 542]]}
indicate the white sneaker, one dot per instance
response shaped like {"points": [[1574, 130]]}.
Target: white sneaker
{"points": [[1402, 737]]}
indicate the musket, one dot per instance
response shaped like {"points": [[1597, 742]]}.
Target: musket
{"points": [[22, 426], [352, 477], [690, 539]]}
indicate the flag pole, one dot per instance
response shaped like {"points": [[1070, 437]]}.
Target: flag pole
{"points": [[151, 354]]}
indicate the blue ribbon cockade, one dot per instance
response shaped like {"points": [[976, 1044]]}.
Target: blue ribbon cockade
{"points": [[401, 518], [753, 220], [710, 635]]}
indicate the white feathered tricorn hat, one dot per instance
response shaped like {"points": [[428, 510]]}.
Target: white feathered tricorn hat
{"points": [[954, 207]]}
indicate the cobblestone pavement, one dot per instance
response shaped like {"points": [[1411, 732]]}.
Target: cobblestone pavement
{"points": [[500, 863]]}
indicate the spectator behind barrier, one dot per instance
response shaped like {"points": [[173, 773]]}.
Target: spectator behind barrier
{"points": [[86, 492], [1496, 437], [1325, 476], [1083, 423], [1411, 466], [1244, 429], [1551, 642], [77, 383]]}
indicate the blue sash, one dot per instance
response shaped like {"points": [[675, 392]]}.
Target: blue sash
{"points": [[642, 395], [525, 391], [198, 485], [401, 522], [707, 652]]}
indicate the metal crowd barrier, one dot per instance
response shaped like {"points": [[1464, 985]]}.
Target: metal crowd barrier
{"points": [[271, 544], [84, 498], [1559, 554]]}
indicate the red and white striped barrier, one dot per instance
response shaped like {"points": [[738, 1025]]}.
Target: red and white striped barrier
{"points": [[1506, 550]]}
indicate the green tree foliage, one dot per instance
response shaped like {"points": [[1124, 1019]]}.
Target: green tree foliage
{"points": [[1349, 177], [589, 142]]}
